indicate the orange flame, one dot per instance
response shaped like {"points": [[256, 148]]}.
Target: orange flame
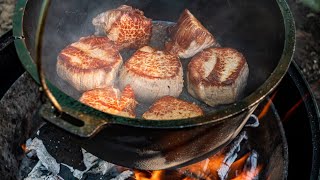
{"points": [[154, 175], [238, 165], [240, 162], [294, 107], [24, 148], [267, 106], [188, 178], [205, 170], [249, 175]]}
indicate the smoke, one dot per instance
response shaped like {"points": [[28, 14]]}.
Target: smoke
{"points": [[67, 22], [255, 28]]}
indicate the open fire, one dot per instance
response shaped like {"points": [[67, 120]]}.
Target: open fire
{"points": [[239, 160], [244, 168], [236, 161]]}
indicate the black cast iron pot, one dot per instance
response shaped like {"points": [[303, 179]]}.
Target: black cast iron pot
{"points": [[262, 30]]}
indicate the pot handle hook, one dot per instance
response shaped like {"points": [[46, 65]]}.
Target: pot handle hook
{"points": [[75, 122]]}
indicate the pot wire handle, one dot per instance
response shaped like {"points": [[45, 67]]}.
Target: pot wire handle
{"points": [[38, 47], [70, 119]]}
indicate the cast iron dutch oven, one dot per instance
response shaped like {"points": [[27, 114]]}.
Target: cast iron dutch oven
{"points": [[262, 30]]}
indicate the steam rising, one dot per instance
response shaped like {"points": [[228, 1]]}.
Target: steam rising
{"points": [[237, 24]]}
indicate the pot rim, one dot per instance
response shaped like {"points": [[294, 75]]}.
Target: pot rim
{"points": [[249, 102]]}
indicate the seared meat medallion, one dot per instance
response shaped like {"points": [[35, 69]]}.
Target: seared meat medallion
{"points": [[111, 100], [189, 36], [92, 62], [152, 74], [126, 26], [217, 76], [94, 66], [170, 108]]}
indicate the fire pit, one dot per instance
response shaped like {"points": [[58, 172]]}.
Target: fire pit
{"points": [[260, 150]]}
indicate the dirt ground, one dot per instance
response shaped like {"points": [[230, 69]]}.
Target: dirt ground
{"points": [[6, 12], [307, 54]]}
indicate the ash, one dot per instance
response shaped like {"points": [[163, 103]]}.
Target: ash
{"points": [[47, 167]]}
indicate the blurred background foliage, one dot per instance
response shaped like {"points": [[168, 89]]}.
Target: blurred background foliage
{"points": [[313, 4]]}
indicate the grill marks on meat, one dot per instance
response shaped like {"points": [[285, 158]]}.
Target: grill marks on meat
{"points": [[170, 108], [111, 100], [126, 26], [92, 62], [189, 36], [152, 74], [217, 76]]}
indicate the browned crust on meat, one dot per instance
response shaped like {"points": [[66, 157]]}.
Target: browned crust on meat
{"points": [[135, 32], [197, 74], [151, 63], [134, 28], [170, 106], [128, 101], [187, 29], [78, 59], [110, 101]]}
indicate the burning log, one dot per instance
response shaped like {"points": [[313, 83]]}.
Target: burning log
{"points": [[231, 162], [251, 168], [44, 157], [48, 168], [253, 121], [231, 155], [38, 173], [220, 166]]}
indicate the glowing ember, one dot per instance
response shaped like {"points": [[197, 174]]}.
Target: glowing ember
{"points": [[245, 168], [249, 174], [238, 166], [205, 169], [24, 148], [236, 161], [154, 175], [225, 165]]}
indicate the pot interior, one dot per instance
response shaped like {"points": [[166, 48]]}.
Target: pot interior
{"points": [[255, 28]]}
